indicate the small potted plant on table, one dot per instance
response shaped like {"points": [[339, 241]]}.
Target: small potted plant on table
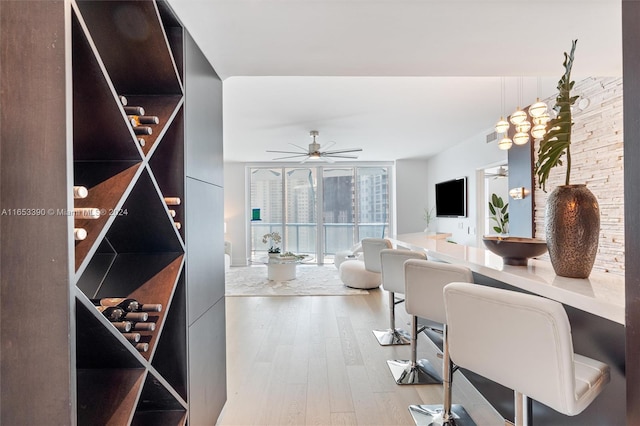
{"points": [[273, 239]]}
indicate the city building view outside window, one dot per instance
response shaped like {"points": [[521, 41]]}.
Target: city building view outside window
{"points": [[318, 210]]}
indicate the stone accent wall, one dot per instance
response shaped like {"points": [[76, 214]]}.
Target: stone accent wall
{"points": [[597, 160]]}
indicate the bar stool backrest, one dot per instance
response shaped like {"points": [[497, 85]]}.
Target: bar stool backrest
{"points": [[371, 248], [424, 282], [519, 340], [392, 262]]}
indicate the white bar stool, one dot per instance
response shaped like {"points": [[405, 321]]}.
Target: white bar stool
{"points": [[424, 281], [524, 343], [392, 262]]}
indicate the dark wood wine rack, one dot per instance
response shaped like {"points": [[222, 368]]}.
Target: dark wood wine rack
{"points": [[137, 49], [133, 250]]}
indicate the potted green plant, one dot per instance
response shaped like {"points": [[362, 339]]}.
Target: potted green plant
{"points": [[273, 239], [428, 217], [499, 214], [572, 216]]}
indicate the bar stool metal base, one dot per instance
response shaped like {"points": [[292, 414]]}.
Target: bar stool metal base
{"points": [[422, 373], [431, 415], [392, 337]]}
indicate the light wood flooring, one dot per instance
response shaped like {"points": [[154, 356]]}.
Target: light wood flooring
{"points": [[313, 360]]}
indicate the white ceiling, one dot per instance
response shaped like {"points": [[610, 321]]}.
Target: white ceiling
{"points": [[398, 78]]}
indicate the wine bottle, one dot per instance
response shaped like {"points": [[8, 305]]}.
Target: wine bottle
{"points": [[144, 326], [137, 120], [123, 100], [80, 192], [115, 314], [123, 326], [142, 142], [178, 225], [134, 110], [172, 213], [142, 130], [132, 337], [128, 304], [86, 213], [172, 201], [79, 234], [142, 347]]}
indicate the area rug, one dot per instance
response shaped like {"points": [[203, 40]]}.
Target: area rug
{"points": [[311, 280]]}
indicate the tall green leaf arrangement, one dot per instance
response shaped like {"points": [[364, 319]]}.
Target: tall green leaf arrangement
{"points": [[557, 141]]}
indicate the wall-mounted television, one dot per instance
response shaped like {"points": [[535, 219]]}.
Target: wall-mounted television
{"points": [[451, 198]]}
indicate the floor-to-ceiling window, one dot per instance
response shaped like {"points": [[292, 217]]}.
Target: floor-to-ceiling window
{"points": [[318, 210]]}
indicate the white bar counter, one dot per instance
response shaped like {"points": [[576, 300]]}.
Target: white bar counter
{"points": [[601, 294]]}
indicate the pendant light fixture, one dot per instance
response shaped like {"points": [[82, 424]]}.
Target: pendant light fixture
{"points": [[542, 119], [521, 138], [523, 127], [518, 116], [539, 107], [502, 126], [505, 143], [538, 130]]}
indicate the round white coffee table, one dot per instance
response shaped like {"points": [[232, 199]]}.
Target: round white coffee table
{"points": [[279, 270]]}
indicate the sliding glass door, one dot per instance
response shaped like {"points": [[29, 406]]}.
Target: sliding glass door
{"points": [[301, 211], [319, 210], [267, 213]]}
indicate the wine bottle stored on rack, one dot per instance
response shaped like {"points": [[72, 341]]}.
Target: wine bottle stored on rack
{"points": [[80, 192], [172, 201], [123, 326], [142, 130], [172, 213], [142, 142], [142, 347], [115, 314], [134, 110], [132, 337], [79, 234], [123, 100], [86, 213], [144, 326], [128, 304], [137, 120]]}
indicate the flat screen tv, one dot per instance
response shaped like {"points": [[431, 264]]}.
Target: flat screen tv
{"points": [[451, 198]]}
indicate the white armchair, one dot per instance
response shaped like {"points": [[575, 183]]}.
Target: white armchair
{"points": [[354, 253]]}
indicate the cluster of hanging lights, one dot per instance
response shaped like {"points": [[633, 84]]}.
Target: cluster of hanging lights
{"points": [[519, 118]]}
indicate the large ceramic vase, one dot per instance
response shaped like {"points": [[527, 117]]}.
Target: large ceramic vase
{"points": [[572, 228]]}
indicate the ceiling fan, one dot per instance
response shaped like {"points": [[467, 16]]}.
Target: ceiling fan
{"points": [[499, 173], [313, 153]]}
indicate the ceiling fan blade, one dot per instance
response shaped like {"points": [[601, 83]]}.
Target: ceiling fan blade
{"points": [[329, 145], [290, 152], [298, 146], [291, 156], [341, 151], [339, 156]]}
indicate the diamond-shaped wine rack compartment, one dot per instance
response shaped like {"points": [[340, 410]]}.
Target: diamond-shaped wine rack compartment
{"points": [[130, 243]]}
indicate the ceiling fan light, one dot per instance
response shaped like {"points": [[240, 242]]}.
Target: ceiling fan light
{"points": [[520, 138], [523, 127], [538, 131], [518, 116], [537, 109], [502, 126], [505, 143]]}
